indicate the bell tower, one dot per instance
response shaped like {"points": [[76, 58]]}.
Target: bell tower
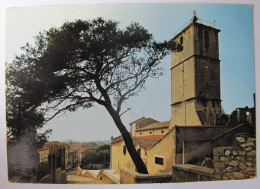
{"points": [[195, 76]]}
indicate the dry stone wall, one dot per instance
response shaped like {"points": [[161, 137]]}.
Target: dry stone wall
{"points": [[234, 163]]}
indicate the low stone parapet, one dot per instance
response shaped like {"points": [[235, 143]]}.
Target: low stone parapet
{"points": [[60, 177], [86, 173], [89, 174], [46, 179], [107, 178], [128, 176], [78, 172], [192, 173]]}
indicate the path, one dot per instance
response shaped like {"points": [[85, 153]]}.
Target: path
{"points": [[72, 178]]}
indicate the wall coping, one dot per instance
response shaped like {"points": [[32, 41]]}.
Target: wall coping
{"points": [[111, 179], [196, 169], [140, 175]]}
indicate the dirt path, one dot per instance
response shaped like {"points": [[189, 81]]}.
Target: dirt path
{"points": [[74, 179]]}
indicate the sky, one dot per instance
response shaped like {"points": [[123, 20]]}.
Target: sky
{"points": [[162, 20]]}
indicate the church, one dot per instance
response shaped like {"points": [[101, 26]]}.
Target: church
{"points": [[198, 123]]}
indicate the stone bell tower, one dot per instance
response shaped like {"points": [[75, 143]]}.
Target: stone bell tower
{"points": [[195, 76]]}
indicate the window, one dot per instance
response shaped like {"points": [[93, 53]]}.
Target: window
{"points": [[140, 134], [139, 151], [124, 150], [203, 102], [150, 132], [159, 160], [181, 40], [180, 46], [206, 36], [162, 132], [213, 104]]}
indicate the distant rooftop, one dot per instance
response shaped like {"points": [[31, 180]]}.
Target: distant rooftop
{"points": [[144, 120], [157, 125]]}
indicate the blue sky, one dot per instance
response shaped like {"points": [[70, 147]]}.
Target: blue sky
{"points": [[162, 20]]}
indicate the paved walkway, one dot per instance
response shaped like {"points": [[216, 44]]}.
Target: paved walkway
{"points": [[74, 179]]}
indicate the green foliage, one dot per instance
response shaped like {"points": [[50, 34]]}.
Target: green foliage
{"points": [[92, 145], [42, 138], [21, 114], [103, 156], [83, 62], [87, 62], [100, 155], [103, 147], [89, 157]]}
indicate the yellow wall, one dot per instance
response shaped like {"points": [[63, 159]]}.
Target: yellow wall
{"points": [[118, 159], [133, 128], [151, 132], [165, 148], [185, 114], [183, 81], [44, 155], [188, 41]]}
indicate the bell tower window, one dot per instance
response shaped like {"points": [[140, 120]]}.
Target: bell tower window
{"points": [[206, 36]]}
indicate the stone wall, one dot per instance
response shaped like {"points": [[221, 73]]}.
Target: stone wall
{"points": [[234, 163], [22, 156], [60, 177], [23, 179], [231, 163], [46, 179], [128, 176]]}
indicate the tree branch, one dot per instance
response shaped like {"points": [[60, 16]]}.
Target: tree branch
{"points": [[125, 111]]}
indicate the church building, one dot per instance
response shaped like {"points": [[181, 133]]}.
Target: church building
{"points": [[195, 125], [195, 74]]}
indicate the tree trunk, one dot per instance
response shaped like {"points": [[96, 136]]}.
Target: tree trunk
{"points": [[139, 164]]}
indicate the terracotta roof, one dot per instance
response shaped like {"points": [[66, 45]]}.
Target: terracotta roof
{"points": [[82, 149], [162, 138], [146, 142], [157, 125], [54, 143], [44, 148], [149, 136], [73, 148]]}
